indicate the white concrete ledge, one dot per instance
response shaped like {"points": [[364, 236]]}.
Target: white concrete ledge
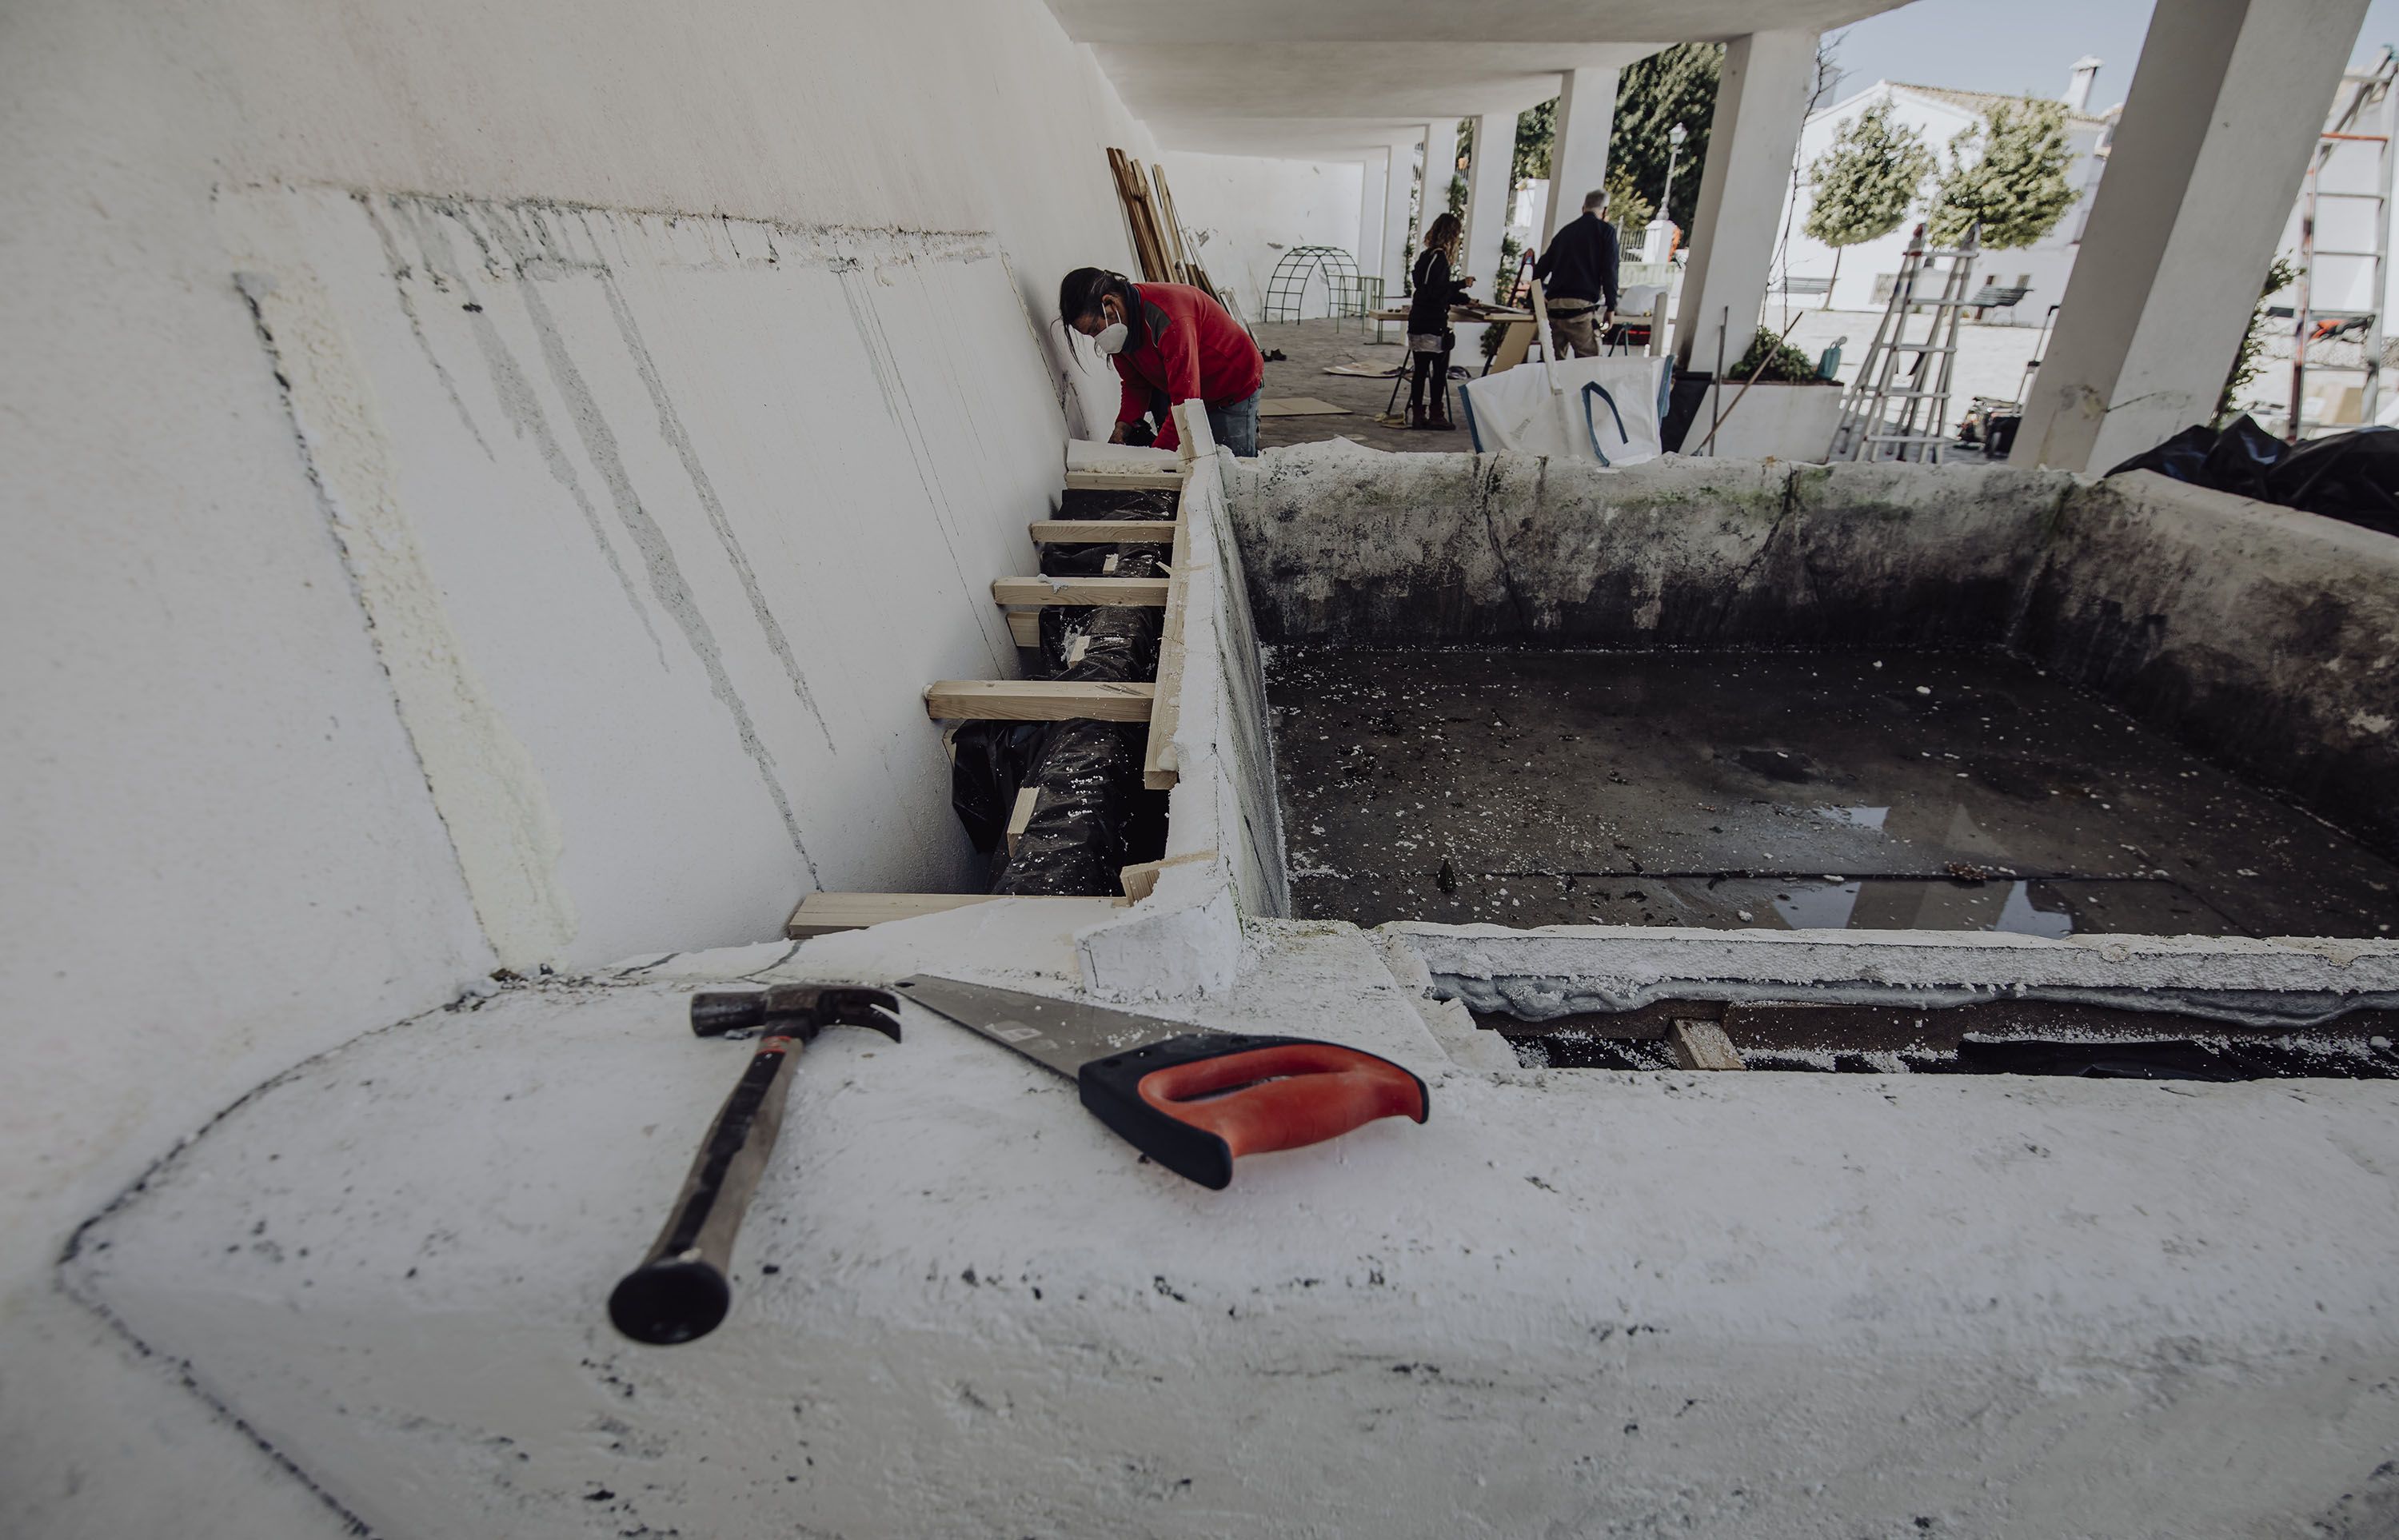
{"points": [[1572, 1303]]}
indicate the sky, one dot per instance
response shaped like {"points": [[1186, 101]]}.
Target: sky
{"points": [[2024, 46]]}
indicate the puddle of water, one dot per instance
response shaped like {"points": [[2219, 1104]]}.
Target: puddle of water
{"points": [[2011, 908]]}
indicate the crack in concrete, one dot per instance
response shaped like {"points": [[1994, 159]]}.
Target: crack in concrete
{"points": [[1484, 474]]}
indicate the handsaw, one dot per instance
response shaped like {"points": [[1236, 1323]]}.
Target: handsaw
{"points": [[1191, 1100]]}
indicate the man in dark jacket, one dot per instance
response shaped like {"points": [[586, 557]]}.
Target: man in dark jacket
{"points": [[1577, 272]]}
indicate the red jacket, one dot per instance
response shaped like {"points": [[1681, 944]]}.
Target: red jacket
{"points": [[1182, 347]]}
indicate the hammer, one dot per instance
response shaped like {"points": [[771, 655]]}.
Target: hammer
{"points": [[680, 1291]]}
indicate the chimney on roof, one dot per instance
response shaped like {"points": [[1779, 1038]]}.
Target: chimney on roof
{"points": [[2078, 84]]}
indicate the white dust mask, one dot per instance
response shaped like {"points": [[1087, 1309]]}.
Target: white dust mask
{"points": [[1112, 337]]}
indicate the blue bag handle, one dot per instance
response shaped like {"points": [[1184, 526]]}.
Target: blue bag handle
{"points": [[1593, 388]]}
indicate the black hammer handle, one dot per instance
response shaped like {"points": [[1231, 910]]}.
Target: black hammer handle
{"points": [[681, 1291]]}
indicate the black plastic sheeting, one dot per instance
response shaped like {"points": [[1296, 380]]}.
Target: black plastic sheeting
{"points": [[1092, 816], [2352, 477]]}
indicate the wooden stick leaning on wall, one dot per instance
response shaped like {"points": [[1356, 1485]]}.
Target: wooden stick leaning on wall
{"points": [[1171, 227], [1133, 190]]}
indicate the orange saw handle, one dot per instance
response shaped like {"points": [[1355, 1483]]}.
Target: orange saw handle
{"points": [[1197, 1102]]}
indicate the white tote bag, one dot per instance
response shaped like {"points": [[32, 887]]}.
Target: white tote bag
{"points": [[1601, 410]]}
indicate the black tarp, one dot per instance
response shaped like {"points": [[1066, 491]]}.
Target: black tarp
{"points": [[2352, 477], [1092, 816]]}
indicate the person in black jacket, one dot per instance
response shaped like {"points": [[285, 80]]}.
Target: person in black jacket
{"points": [[1429, 338], [1577, 272]]}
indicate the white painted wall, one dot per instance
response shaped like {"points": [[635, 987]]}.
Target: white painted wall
{"points": [[2044, 264], [1248, 212], [224, 852]]}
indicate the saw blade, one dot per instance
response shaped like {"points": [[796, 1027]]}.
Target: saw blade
{"points": [[1059, 1035]]}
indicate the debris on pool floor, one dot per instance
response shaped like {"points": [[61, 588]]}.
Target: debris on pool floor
{"points": [[1798, 791]]}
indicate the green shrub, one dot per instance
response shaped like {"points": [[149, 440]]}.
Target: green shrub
{"points": [[1784, 364]]}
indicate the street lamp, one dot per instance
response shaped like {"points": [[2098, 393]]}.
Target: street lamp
{"points": [[1661, 229], [1674, 137]]}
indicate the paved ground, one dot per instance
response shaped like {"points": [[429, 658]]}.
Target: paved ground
{"points": [[1990, 362], [1311, 345], [1806, 790], [1991, 358]]}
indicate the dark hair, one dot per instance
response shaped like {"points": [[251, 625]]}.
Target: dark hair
{"points": [[1442, 234], [1079, 293]]}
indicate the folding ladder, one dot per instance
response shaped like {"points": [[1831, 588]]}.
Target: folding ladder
{"points": [[2364, 113], [1921, 389]]}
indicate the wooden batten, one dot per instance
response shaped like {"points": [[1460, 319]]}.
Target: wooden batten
{"points": [[1701, 1045], [1080, 590], [1037, 700], [1103, 531], [1028, 800], [1158, 768], [1123, 480], [825, 914]]}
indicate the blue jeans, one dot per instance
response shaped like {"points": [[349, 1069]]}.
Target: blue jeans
{"points": [[1235, 424]]}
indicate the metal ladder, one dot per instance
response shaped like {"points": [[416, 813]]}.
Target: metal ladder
{"points": [[1921, 431], [2365, 113]]}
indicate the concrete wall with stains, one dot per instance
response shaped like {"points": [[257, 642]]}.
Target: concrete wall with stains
{"points": [[486, 486]]}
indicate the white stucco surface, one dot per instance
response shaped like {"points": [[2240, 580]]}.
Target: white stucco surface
{"points": [[1248, 212], [264, 701], [1572, 1301]]}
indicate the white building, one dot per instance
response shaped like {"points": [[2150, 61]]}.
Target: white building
{"points": [[1862, 274]]}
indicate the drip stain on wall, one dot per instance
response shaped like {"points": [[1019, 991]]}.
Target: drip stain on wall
{"points": [[671, 425], [515, 393], [485, 785]]}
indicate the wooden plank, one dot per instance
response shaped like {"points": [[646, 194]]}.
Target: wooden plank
{"points": [[1025, 627], [1701, 1045], [1159, 771], [1300, 406], [1103, 531], [1124, 480], [825, 913], [1028, 799], [1141, 881], [1116, 591], [1037, 700]]}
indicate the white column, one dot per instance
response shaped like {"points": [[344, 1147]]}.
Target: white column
{"points": [[1441, 168], [2223, 113], [1760, 101], [1399, 181], [1578, 158], [1486, 201], [1370, 183]]}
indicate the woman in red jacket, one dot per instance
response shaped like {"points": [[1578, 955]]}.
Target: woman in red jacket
{"points": [[1170, 343]]}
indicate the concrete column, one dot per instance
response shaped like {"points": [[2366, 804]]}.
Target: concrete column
{"points": [[1579, 161], [1371, 181], [1441, 166], [1487, 201], [1399, 181], [1760, 103], [2223, 113]]}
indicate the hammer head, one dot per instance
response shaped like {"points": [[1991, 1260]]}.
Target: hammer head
{"points": [[796, 1010]]}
